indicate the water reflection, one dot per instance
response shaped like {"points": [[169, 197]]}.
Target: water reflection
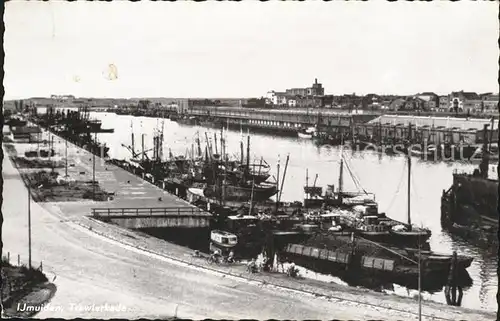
{"points": [[383, 175]]}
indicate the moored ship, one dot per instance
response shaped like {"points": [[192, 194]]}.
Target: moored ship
{"points": [[469, 206]]}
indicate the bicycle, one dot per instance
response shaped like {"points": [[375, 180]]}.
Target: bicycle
{"points": [[213, 259]]}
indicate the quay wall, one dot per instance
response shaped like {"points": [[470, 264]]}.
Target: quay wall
{"points": [[160, 221]]}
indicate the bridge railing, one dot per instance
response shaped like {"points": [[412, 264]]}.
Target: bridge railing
{"points": [[148, 211]]}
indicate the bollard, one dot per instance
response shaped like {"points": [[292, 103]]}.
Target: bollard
{"points": [[452, 288]]}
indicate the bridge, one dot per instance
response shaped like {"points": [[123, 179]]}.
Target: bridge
{"points": [[161, 217]]}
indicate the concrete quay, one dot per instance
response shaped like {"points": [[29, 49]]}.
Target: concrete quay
{"points": [[79, 252], [126, 192]]}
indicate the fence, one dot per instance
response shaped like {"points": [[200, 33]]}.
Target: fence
{"points": [[20, 262], [152, 211]]}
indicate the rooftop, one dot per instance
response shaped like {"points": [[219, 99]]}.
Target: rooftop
{"points": [[467, 95], [444, 122]]}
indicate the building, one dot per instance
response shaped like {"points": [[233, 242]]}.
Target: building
{"points": [[370, 101], [316, 89], [414, 103], [62, 97], [430, 100], [270, 97], [466, 102], [309, 101], [297, 92], [303, 97], [397, 104], [472, 106], [490, 103], [276, 98], [349, 101], [280, 99], [444, 103]]}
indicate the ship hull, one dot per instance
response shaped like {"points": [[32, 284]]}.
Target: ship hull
{"points": [[469, 210], [347, 253], [242, 194]]}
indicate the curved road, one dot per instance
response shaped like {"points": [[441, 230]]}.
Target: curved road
{"points": [[89, 270]]}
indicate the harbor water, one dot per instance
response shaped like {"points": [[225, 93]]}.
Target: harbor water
{"points": [[385, 176]]}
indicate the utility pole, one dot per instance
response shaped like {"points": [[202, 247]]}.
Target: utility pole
{"points": [[93, 169], [419, 281], [29, 225], [51, 147], [409, 191], [66, 155]]}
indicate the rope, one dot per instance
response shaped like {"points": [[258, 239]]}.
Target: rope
{"points": [[415, 191], [354, 178], [397, 190]]}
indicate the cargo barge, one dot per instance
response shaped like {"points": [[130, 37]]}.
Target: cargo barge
{"points": [[352, 255]]}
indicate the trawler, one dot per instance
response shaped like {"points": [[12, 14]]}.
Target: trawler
{"points": [[364, 219]]}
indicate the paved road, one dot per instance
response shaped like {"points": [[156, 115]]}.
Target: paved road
{"points": [[91, 270]]}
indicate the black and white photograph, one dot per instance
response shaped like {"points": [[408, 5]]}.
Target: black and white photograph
{"points": [[287, 160]]}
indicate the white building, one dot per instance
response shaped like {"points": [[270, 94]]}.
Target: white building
{"points": [[292, 102], [270, 97]]}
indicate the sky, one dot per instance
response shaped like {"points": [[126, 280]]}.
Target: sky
{"points": [[245, 49]]}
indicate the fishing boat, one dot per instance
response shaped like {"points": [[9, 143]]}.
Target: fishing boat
{"points": [[306, 133], [321, 138], [408, 233], [313, 195], [187, 120], [363, 218], [260, 192]]}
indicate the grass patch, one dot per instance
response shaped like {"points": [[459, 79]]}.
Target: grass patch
{"points": [[51, 187], [23, 162], [10, 149], [18, 281]]}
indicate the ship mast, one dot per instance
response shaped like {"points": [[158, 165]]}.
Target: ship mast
{"points": [[277, 184], [133, 143], [215, 143], [283, 179], [248, 153], [199, 145], [341, 172], [409, 191]]}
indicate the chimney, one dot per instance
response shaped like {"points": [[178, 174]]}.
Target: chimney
{"points": [[316, 80]]}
